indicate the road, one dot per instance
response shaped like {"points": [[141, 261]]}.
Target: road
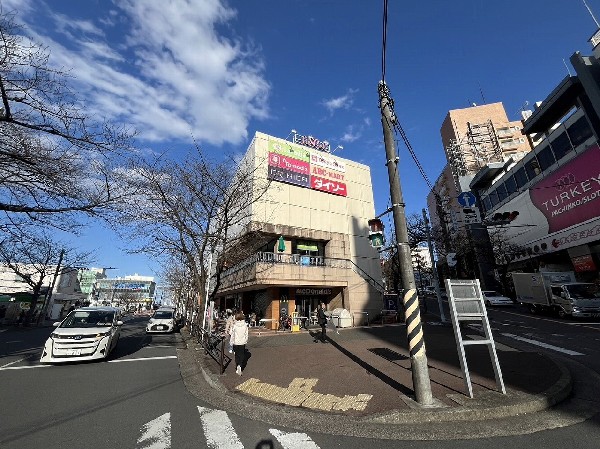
{"points": [[138, 399]]}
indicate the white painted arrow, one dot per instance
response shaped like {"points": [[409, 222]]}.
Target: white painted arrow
{"points": [[156, 434]]}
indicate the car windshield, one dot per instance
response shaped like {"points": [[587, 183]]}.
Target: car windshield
{"points": [[89, 318], [163, 314], [584, 291]]}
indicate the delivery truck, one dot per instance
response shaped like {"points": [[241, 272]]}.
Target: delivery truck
{"points": [[558, 292]]}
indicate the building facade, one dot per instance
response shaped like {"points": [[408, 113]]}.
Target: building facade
{"points": [[310, 233], [554, 190], [129, 291]]}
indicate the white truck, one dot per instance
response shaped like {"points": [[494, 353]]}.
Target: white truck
{"points": [[558, 292]]}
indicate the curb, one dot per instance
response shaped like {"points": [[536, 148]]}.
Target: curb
{"points": [[491, 414]]}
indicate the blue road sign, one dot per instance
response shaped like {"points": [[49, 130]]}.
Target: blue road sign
{"points": [[466, 199]]}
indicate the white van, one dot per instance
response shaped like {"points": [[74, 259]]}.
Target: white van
{"points": [[88, 333]]}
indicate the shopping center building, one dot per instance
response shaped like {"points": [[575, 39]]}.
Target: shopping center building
{"points": [[313, 235], [552, 195]]}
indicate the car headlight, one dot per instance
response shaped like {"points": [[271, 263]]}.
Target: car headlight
{"points": [[102, 334], [54, 335]]}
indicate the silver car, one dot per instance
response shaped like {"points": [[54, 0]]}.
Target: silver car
{"points": [[89, 333], [493, 298]]}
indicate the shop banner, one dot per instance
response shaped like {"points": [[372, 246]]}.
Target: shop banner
{"points": [[288, 176], [571, 194], [583, 263], [323, 160], [327, 174], [289, 150], [287, 163], [326, 185]]}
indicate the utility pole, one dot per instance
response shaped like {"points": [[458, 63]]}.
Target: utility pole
{"points": [[48, 297], [436, 281], [414, 329]]}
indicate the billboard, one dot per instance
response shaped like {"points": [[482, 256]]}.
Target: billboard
{"points": [[299, 166], [571, 194], [562, 210]]}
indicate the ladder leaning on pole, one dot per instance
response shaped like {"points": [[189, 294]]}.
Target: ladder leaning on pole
{"points": [[466, 304]]}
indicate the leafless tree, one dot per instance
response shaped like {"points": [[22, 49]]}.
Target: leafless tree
{"points": [[56, 162], [36, 258], [193, 210]]}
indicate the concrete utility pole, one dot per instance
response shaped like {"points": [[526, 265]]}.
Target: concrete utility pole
{"points": [[414, 329], [436, 281]]}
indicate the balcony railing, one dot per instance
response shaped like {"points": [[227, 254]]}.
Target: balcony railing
{"points": [[290, 259]]}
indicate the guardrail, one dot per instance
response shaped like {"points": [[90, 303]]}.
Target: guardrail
{"points": [[214, 346]]}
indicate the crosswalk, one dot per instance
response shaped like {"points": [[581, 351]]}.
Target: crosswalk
{"points": [[218, 431]]}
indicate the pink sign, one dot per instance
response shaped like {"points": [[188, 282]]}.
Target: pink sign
{"points": [[287, 163], [571, 194], [327, 185]]}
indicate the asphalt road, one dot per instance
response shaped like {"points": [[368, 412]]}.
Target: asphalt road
{"points": [[138, 399]]}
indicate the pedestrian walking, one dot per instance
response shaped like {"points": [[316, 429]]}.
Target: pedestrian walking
{"points": [[322, 321], [229, 327], [239, 338]]}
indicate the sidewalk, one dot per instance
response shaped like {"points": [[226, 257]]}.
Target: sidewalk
{"points": [[365, 373]]}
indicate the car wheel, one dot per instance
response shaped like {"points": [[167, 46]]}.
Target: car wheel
{"points": [[562, 314], [488, 304], [532, 309]]}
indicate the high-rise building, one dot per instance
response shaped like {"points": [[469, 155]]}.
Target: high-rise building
{"points": [[475, 136]]}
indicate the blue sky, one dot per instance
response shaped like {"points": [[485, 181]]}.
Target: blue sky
{"points": [[220, 71]]}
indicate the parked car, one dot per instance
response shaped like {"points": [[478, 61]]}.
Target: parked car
{"points": [[493, 298], [429, 292], [163, 320], [88, 333]]}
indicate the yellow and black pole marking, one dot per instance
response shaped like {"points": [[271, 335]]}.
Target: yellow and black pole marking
{"points": [[416, 343]]}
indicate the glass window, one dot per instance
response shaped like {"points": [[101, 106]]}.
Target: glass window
{"points": [[521, 177], [532, 167], [494, 198], [511, 185], [487, 203], [546, 158], [561, 146], [580, 131], [501, 191]]}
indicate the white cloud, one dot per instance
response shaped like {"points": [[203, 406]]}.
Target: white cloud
{"points": [[343, 102], [172, 76], [350, 134]]}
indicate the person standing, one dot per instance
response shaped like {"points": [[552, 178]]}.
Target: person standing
{"points": [[322, 321], [239, 338], [229, 327]]}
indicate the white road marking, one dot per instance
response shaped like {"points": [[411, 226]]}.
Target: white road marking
{"points": [[12, 363], [543, 345], [293, 440], [218, 430], [156, 434], [24, 367], [140, 359]]}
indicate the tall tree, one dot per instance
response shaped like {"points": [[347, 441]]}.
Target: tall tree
{"points": [[192, 210], [36, 259], [55, 160]]}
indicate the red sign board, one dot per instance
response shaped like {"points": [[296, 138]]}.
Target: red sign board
{"points": [[327, 185], [287, 163], [583, 263]]}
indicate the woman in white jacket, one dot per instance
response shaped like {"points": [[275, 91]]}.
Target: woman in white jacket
{"points": [[239, 338]]}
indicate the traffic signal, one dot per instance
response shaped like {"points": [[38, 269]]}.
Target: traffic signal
{"points": [[376, 233], [500, 218]]}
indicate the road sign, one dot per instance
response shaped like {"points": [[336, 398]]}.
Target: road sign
{"points": [[471, 215], [466, 199]]}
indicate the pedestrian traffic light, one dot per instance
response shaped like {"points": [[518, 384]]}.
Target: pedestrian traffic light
{"points": [[500, 218], [376, 233]]}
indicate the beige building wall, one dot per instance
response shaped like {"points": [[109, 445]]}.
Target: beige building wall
{"points": [[298, 212]]}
